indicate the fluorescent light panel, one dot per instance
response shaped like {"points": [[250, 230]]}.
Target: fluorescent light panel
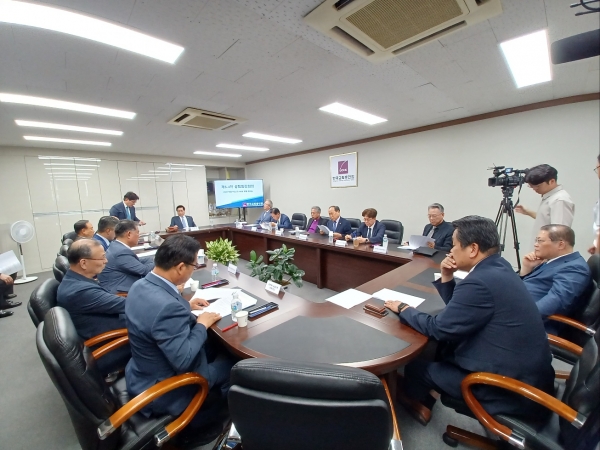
{"points": [[528, 58], [80, 25], [59, 104], [352, 113], [227, 155], [71, 158], [187, 165], [267, 137], [67, 141], [71, 165], [58, 126], [243, 147]]}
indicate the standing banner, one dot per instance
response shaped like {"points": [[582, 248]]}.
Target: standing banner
{"points": [[343, 170]]}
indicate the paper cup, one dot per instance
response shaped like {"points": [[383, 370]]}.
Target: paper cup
{"points": [[355, 242], [242, 318], [195, 284]]}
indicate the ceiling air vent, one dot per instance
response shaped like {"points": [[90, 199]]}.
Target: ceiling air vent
{"points": [[205, 120], [381, 29]]}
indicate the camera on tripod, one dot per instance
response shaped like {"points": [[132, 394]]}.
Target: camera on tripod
{"points": [[507, 177]]}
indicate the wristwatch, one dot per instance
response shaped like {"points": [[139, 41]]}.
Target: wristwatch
{"points": [[367, 240]]}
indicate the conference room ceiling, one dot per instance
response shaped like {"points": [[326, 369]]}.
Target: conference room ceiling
{"points": [[259, 61]]}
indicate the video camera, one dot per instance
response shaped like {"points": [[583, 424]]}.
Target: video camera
{"points": [[507, 177]]}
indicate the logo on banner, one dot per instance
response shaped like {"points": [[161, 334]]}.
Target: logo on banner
{"points": [[342, 167]]}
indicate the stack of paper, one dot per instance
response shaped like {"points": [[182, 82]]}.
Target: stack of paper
{"points": [[416, 241], [349, 298], [222, 304], [390, 295], [148, 253]]}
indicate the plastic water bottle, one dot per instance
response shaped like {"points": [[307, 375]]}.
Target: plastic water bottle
{"points": [[215, 272], [330, 237], [236, 306], [384, 244]]}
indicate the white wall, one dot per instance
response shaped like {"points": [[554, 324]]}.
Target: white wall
{"points": [[401, 176], [52, 207]]}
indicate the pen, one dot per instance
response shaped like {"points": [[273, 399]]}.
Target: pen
{"points": [[233, 325]]}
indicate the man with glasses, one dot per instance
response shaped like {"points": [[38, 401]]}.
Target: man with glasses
{"points": [[438, 228], [92, 308], [265, 217], [124, 267], [558, 279], [371, 231]]}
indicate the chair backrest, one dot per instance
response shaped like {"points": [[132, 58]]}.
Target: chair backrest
{"points": [[60, 267], [70, 235], [68, 242], [42, 300], [308, 405], [354, 223], [594, 264], [62, 251], [299, 220], [589, 312], [394, 230]]}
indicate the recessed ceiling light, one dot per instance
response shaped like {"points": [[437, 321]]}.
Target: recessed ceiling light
{"points": [[87, 27], [243, 147], [528, 59], [56, 169], [352, 113], [59, 104], [68, 141], [267, 137], [71, 158], [227, 155], [58, 126]]}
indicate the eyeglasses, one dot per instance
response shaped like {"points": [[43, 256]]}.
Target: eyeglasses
{"points": [[596, 168], [96, 259], [541, 241], [433, 216]]}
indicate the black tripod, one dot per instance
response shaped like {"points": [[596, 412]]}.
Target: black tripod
{"points": [[506, 211]]}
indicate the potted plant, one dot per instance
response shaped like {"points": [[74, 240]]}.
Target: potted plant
{"points": [[280, 265], [221, 251]]}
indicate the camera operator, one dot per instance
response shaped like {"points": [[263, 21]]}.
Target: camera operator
{"points": [[556, 207]]}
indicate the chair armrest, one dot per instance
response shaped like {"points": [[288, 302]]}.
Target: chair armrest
{"points": [[112, 345], [562, 374], [121, 294], [105, 337], [149, 395], [566, 345], [392, 409], [520, 388], [573, 323]]}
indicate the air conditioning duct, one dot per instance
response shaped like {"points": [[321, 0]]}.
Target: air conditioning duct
{"points": [[205, 120], [381, 29]]}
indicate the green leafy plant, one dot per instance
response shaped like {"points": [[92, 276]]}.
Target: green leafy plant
{"points": [[222, 251], [280, 265]]}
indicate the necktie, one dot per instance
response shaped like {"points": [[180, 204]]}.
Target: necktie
{"points": [[334, 225], [128, 213], [369, 233], [431, 232], [184, 222]]}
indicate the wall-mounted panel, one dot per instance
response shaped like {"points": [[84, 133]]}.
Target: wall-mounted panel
{"points": [[197, 196], [110, 186]]}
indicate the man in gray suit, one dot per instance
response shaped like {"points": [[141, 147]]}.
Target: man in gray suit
{"points": [[265, 217], [166, 339], [124, 267]]}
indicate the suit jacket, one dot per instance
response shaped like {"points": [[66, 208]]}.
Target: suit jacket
{"points": [[492, 320], [102, 241], [176, 220], [322, 221], [120, 213], [377, 233], [165, 341], [284, 222], [559, 287], [265, 217], [442, 235], [123, 268], [343, 226]]}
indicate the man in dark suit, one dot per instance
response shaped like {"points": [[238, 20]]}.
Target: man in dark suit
{"points": [[6, 294], [371, 231], [106, 231], [265, 217], [340, 226], [165, 338], [315, 220], [438, 228], [558, 279], [491, 321], [124, 267], [93, 309], [83, 229], [126, 208], [182, 221], [279, 220]]}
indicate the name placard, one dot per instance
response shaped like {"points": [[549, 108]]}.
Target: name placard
{"points": [[340, 243], [232, 268], [272, 287], [303, 237], [380, 249], [253, 228], [239, 225], [279, 233]]}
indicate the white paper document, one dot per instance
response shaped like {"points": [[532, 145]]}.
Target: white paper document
{"points": [[265, 226], [416, 241], [223, 304], [460, 274], [388, 294], [324, 229], [148, 253], [9, 263], [349, 298], [140, 247]]}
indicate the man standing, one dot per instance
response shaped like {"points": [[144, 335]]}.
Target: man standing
{"points": [[124, 267], [438, 228], [106, 231], [596, 225], [491, 320], [340, 226], [93, 309], [265, 217], [126, 209], [182, 221], [558, 279], [84, 229], [6, 294], [371, 231], [556, 207], [279, 220], [315, 220]]}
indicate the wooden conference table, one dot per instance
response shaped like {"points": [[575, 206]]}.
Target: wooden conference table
{"points": [[336, 268]]}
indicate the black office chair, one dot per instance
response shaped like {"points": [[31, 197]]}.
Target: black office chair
{"points": [[60, 267], [62, 251], [41, 300], [103, 416], [279, 404], [68, 242], [573, 401], [354, 223], [394, 230], [70, 235], [594, 264], [299, 220]]}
